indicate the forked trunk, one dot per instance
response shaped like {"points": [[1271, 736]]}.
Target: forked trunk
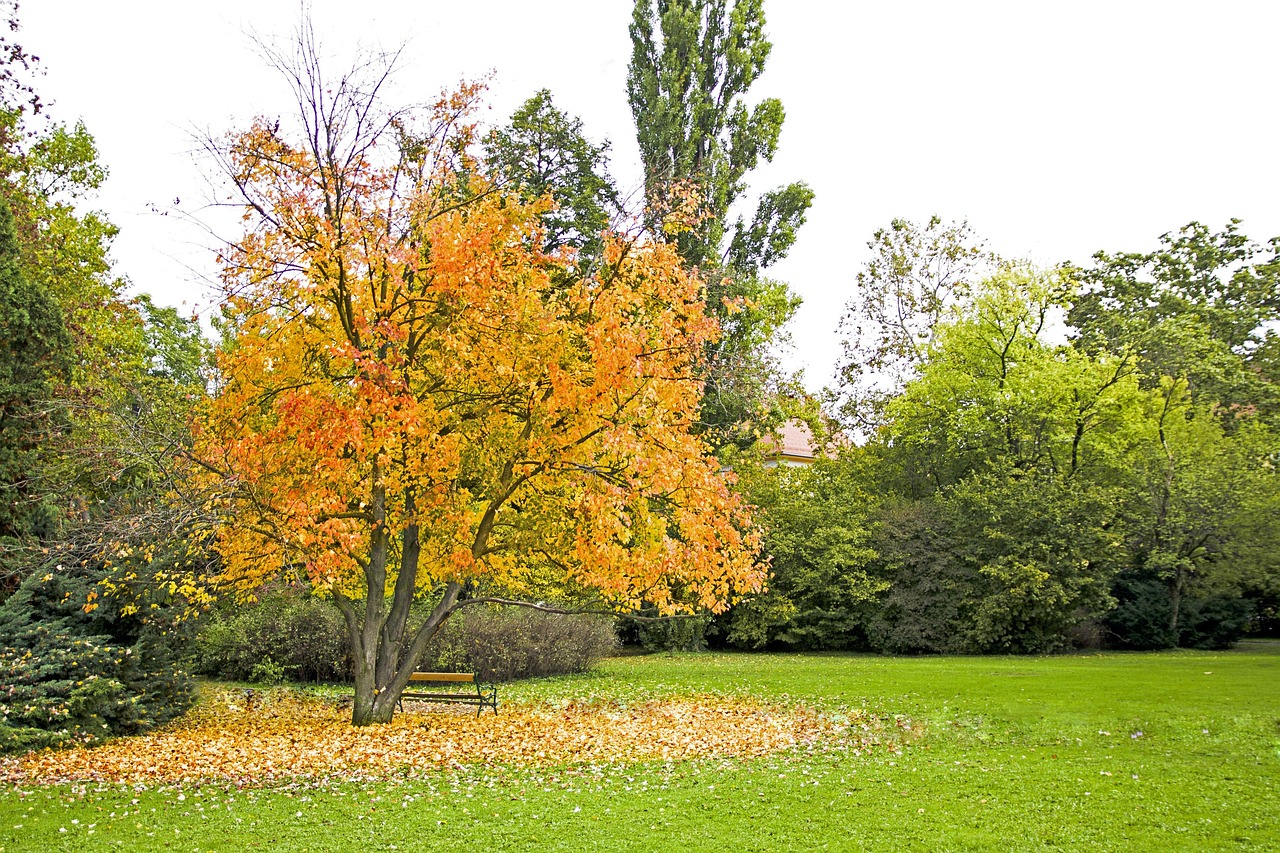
{"points": [[384, 653], [371, 707]]}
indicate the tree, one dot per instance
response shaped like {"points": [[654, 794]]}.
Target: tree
{"points": [[35, 356], [543, 152], [1201, 308], [418, 405], [1006, 460], [1193, 535], [77, 674], [118, 368], [692, 63], [915, 277], [815, 520], [1198, 316]]}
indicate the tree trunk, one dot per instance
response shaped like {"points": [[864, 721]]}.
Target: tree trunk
{"points": [[1175, 601], [372, 707], [384, 654]]}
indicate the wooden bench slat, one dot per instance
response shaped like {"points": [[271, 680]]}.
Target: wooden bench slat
{"points": [[443, 676]]}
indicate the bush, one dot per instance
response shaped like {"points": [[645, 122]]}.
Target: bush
{"points": [[1142, 615], [1142, 618], [678, 634], [1214, 623], [286, 634], [71, 676], [513, 643]]}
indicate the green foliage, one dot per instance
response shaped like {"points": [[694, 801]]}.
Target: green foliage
{"points": [[681, 634], [285, 634], [114, 377], [507, 644], [745, 394], [543, 152], [692, 63], [289, 635], [1196, 524], [35, 356], [1200, 308], [816, 532], [929, 590], [1144, 619], [992, 564], [1033, 487], [75, 676], [1041, 552]]}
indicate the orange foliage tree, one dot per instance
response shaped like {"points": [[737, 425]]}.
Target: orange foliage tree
{"points": [[420, 410]]}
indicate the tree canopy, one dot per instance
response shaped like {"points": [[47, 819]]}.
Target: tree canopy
{"points": [[418, 402], [692, 63]]}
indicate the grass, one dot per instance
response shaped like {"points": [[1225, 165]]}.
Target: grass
{"points": [[1132, 752]]}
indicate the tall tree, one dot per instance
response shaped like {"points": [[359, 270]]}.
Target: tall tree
{"points": [[419, 406], [915, 277], [543, 152], [692, 64]]}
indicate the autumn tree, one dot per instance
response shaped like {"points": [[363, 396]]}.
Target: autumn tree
{"points": [[420, 409], [692, 63]]}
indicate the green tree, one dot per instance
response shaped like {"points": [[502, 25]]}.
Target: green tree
{"points": [[816, 521], [692, 64], [35, 357], [1016, 449], [1195, 536], [915, 278], [543, 152], [1201, 308], [122, 373]]}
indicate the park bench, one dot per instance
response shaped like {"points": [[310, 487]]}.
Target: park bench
{"points": [[485, 696]]}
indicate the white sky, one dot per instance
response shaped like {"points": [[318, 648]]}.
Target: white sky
{"points": [[1056, 129]]}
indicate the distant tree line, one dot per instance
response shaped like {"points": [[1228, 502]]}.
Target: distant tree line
{"points": [[1036, 460]]}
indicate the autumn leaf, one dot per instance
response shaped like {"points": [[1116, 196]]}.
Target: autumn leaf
{"points": [[287, 737]]}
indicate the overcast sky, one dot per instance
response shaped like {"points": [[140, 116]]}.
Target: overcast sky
{"points": [[1056, 129]]}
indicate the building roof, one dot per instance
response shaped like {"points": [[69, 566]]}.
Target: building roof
{"points": [[793, 442]]}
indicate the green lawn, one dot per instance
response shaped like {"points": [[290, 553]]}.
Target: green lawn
{"points": [[1175, 751]]}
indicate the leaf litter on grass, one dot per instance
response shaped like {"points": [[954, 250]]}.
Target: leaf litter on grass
{"points": [[291, 737]]}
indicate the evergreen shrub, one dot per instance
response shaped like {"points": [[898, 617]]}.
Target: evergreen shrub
{"points": [[74, 677]]}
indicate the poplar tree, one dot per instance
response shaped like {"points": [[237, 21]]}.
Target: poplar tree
{"points": [[692, 64]]}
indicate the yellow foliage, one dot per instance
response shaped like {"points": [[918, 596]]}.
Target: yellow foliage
{"points": [[410, 385]]}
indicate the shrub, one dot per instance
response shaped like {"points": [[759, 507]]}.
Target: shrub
{"points": [[71, 676], [512, 643], [678, 634], [285, 634], [1214, 623], [1143, 618]]}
